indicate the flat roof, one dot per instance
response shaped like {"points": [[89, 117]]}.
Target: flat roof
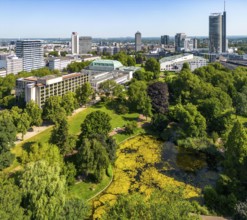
{"points": [[165, 59]]}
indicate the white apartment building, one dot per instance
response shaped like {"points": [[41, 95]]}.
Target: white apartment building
{"points": [[32, 54], [175, 63], [11, 63]]}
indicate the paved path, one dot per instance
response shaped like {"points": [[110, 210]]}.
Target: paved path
{"points": [[36, 130], [203, 217]]}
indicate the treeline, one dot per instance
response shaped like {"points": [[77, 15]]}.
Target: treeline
{"points": [[39, 190]]}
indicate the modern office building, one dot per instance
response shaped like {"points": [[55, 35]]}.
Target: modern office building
{"points": [[39, 89], [164, 40], [75, 43], [138, 41], [175, 63], [32, 54], [85, 45], [217, 33], [179, 41]]}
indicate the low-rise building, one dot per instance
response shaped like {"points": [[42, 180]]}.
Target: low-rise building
{"points": [[39, 89], [175, 63], [61, 63], [11, 63], [3, 72]]}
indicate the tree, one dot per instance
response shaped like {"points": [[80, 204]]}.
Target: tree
{"points": [[236, 152], [158, 92], [92, 159], [160, 205], [10, 200], [60, 136], [42, 151], [130, 127], [84, 93], [152, 65], [192, 123], [131, 61], [53, 110], [69, 171], [7, 138], [97, 122], [75, 209], [63, 53], [69, 102], [23, 123], [107, 87], [137, 93], [53, 53], [43, 189], [146, 106], [35, 113], [159, 122]]}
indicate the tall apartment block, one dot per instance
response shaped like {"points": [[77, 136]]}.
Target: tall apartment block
{"points": [[75, 43], [14, 65], [179, 41], [138, 41], [39, 89], [85, 44], [164, 39], [217, 33], [32, 54]]}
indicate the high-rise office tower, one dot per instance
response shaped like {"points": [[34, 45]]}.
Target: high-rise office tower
{"points": [[224, 42], [85, 45], [138, 41], [32, 54], [164, 39], [217, 33], [75, 43], [179, 41]]}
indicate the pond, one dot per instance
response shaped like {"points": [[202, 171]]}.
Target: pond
{"points": [[188, 166]]}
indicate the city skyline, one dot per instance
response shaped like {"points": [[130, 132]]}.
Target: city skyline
{"points": [[96, 18]]}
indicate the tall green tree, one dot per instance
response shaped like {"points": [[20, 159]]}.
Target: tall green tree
{"points": [[97, 122], [43, 189], [152, 65], [24, 123], [191, 122], [107, 87], [92, 159], [7, 138], [60, 136], [69, 102], [35, 113], [52, 110], [84, 93], [10, 200]]}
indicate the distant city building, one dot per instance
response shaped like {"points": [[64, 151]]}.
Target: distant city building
{"points": [[14, 65], [39, 89], [195, 43], [138, 41], [108, 50], [179, 41], [75, 43], [32, 54], [217, 33], [105, 65], [3, 72], [175, 63], [164, 39], [61, 63], [85, 45], [188, 45]]}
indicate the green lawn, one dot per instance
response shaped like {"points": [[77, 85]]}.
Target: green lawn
{"points": [[81, 190], [86, 190]]}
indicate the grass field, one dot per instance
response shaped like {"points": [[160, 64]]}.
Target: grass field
{"points": [[82, 190]]}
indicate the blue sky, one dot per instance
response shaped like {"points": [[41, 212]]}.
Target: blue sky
{"points": [[116, 18]]}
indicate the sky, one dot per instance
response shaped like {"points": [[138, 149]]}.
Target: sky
{"points": [[116, 18]]}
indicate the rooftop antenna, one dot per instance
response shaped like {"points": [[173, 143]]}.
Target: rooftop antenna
{"points": [[224, 5]]}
